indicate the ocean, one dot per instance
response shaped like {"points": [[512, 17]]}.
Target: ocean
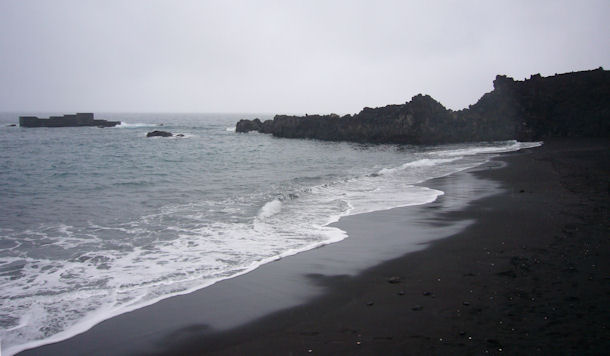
{"points": [[98, 222]]}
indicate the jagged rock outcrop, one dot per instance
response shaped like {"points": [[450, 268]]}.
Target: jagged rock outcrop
{"points": [[254, 125], [563, 105], [78, 119], [571, 104], [249, 125]]}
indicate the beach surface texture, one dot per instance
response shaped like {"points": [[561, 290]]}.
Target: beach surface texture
{"points": [[520, 265]]}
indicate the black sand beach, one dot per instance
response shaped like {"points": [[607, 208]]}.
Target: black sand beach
{"points": [[524, 268]]}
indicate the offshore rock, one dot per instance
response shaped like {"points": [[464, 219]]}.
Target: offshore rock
{"points": [[570, 104], [159, 134], [78, 119]]}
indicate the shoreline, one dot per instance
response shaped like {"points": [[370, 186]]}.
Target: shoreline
{"points": [[296, 288], [302, 301], [529, 276]]}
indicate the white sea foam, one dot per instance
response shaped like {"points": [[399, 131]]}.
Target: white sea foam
{"points": [[127, 125], [184, 135], [230, 129], [507, 146], [424, 162], [269, 209]]}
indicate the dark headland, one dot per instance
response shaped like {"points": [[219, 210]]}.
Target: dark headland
{"points": [[564, 105], [78, 119]]}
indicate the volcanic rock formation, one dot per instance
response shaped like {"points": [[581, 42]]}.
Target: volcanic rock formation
{"points": [[563, 105]]}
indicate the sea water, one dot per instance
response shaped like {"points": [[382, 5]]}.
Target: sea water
{"points": [[97, 222]]}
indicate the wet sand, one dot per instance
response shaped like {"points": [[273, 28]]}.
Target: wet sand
{"points": [[520, 264]]}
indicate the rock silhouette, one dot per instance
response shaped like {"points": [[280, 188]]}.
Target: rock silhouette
{"points": [[78, 119], [157, 133], [564, 105]]}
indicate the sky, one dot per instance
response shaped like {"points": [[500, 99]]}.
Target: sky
{"points": [[284, 56]]}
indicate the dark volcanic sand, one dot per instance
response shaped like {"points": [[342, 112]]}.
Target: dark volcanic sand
{"points": [[525, 271], [531, 276]]}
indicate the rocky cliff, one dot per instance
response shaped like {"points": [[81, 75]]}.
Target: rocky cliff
{"points": [[570, 104]]}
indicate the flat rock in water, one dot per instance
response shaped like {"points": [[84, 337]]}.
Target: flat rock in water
{"points": [[157, 133]]}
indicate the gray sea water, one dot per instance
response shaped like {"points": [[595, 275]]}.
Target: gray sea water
{"points": [[97, 222]]}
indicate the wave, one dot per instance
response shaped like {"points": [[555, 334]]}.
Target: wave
{"points": [[184, 135], [424, 162], [127, 125], [506, 146], [269, 209]]}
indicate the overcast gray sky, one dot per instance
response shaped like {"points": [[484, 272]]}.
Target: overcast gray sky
{"points": [[283, 56]]}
